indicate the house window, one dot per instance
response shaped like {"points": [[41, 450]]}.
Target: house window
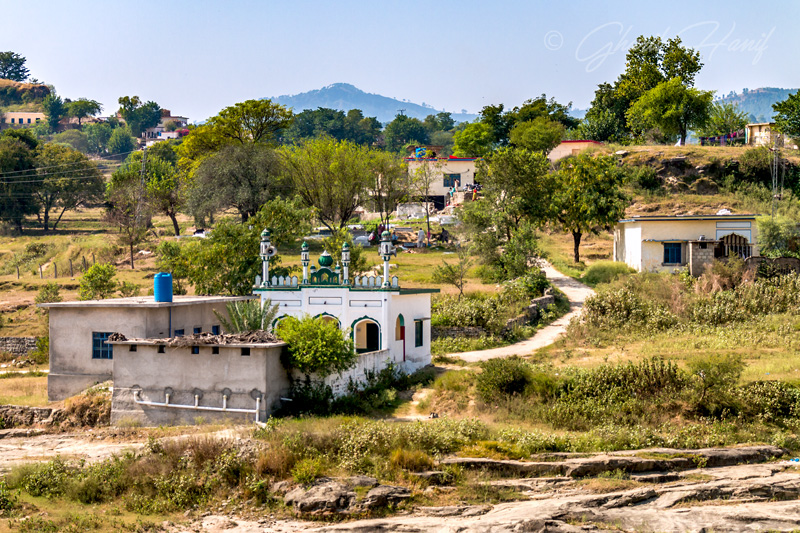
{"points": [[672, 253], [133, 348], [100, 348], [179, 333], [418, 333], [161, 348], [245, 351], [450, 180], [215, 350], [198, 330], [195, 350], [12, 120], [215, 330], [29, 121], [37, 120]]}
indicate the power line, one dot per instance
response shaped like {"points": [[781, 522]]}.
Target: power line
{"points": [[39, 181], [34, 170]]}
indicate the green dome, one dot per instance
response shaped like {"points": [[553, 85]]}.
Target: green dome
{"points": [[325, 259], [386, 235]]}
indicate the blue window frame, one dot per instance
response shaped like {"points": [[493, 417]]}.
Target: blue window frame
{"points": [[450, 180], [215, 330], [100, 348], [198, 330], [195, 350], [179, 333], [672, 253]]}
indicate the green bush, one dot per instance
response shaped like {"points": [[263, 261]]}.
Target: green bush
{"points": [[98, 282], [502, 377], [755, 165], [644, 177], [48, 293], [41, 355], [308, 470], [771, 401], [316, 346], [714, 383], [8, 500], [605, 272]]}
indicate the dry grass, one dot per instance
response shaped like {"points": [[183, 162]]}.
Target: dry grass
{"points": [[24, 391]]}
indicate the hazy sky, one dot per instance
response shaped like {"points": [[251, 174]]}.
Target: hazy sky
{"points": [[196, 57]]}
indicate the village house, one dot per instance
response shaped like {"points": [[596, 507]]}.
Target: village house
{"points": [[168, 128], [668, 243], [171, 363], [448, 171], [20, 118]]}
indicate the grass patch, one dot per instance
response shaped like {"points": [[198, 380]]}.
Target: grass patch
{"points": [[24, 390]]}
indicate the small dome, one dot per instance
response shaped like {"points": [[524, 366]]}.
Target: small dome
{"points": [[325, 259], [386, 235]]}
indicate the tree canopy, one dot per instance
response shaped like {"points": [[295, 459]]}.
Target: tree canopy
{"points": [[787, 115], [83, 107], [723, 118], [12, 67], [538, 135], [672, 107], [139, 115], [18, 180], [475, 140], [404, 130]]}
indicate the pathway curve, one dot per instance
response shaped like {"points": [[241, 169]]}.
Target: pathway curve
{"points": [[576, 292]]}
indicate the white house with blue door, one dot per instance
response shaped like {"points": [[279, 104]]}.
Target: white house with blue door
{"points": [[387, 323]]}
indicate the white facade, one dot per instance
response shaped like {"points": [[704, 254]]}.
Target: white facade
{"points": [[669, 243], [386, 322], [447, 171]]}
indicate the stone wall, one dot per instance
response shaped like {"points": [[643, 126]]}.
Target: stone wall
{"points": [[17, 345], [532, 313], [466, 331], [18, 415], [700, 257]]}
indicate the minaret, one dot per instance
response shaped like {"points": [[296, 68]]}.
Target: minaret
{"points": [[386, 252], [346, 264], [266, 253], [305, 259]]}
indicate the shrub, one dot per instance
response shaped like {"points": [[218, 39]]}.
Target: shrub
{"points": [[714, 381], [8, 500], [502, 377], [605, 272], [308, 470], [770, 401], [721, 275], [644, 177], [48, 293], [98, 282], [413, 461], [754, 165], [248, 315], [41, 355], [316, 345]]}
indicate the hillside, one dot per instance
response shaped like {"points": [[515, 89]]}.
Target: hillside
{"points": [[18, 96], [344, 97], [758, 102]]}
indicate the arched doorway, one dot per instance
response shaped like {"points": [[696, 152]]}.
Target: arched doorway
{"points": [[330, 318], [366, 335], [400, 332]]}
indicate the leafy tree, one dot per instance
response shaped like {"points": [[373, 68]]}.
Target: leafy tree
{"points": [[54, 109], [476, 140], [247, 315], [588, 196], [12, 67], [97, 137], [227, 262], [138, 115], [423, 180], [442, 121], [672, 107], [501, 121], [18, 180], [48, 293], [402, 131], [787, 115], [121, 141], [723, 118], [316, 346], [76, 139], [255, 121], [778, 237], [538, 135], [444, 139], [170, 258], [129, 208], [603, 126], [82, 108], [98, 282], [68, 180], [312, 123], [331, 176], [162, 185], [388, 184], [454, 274], [652, 61], [243, 176]]}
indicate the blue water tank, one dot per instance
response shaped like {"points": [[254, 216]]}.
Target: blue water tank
{"points": [[162, 288]]}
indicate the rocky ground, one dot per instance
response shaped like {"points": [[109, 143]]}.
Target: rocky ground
{"points": [[740, 489]]}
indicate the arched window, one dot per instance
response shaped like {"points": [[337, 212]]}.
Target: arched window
{"points": [[326, 316], [399, 328], [366, 335]]}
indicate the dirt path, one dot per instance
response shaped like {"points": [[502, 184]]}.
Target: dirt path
{"points": [[577, 293]]}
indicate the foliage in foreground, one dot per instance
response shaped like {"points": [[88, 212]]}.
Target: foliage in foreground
{"points": [[247, 315], [316, 346]]}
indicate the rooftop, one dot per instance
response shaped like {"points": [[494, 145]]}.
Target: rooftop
{"points": [[149, 301], [646, 218], [249, 339]]}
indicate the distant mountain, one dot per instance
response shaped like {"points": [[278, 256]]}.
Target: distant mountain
{"points": [[344, 97], [758, 102]]}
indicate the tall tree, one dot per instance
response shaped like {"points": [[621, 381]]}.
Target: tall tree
{"points": [[54, 110], [83, 107], [129, 208], [475, 140], [787, 115], [120, 141], [139, 115], [402, 131], [68, 180], [672, 107], [97, 137], [389, 183], [588, 196], [12, 67], [423, 181], [239, 176], [163, 187], [330, 176], [18, 180], [651, 61], [538, 135]]}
